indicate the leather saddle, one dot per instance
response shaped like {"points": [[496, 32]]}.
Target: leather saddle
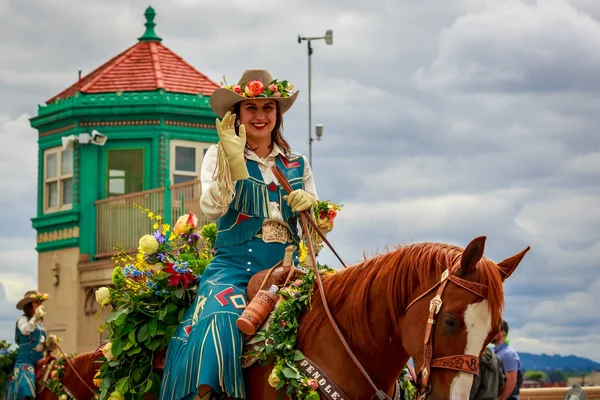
{"points": [[278, 275]]}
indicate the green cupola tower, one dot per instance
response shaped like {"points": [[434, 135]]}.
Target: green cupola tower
{"points": [[132, 131]]}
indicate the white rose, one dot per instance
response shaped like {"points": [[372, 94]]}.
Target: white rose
{"points": [[107, 351], [103, 296]]}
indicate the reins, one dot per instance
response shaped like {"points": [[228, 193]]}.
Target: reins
{"points": [[306, 220]]}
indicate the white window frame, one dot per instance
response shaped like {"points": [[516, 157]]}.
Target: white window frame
{"points": [[200, 147], [59, 178]]}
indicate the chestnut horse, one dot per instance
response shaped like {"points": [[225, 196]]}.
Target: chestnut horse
{"points": [[382, 307], [85, 366]]}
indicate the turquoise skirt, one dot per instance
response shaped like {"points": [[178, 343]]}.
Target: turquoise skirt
{"points": [[207, 346], [21, 383]]}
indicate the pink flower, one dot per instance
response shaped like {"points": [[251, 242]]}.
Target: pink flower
{"points": [[277, 94], [331, 214], [237, 89], [255, 88], [273, 87], [313, 384], [283, 324], [297, 282]]}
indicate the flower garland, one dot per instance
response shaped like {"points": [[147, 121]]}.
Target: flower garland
{"points": [[409, 391], [39, 296], [257, 89], [152, 290], [54, 381], [277, 343]]}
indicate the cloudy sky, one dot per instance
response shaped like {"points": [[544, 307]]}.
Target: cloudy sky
{"points": [[444, 120]]}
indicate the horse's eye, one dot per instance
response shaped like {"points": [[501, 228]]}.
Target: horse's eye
{"points": [[450, 322]]}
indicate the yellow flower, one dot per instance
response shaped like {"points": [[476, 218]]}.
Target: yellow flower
{"points": [[165, 228], [62, 397], [324, 224], [155, 226], [302, 253], [186, 223], [158, 218], [148, 244], [103, 296], [97, 379], [289, 87], [151, 215], [273, 378], [107, 351], [116, 396]]}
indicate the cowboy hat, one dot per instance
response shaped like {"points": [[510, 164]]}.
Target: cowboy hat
{"points": [[31, 296], [254, 84]]}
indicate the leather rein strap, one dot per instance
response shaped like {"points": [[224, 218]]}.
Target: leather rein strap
{"points": [[306, 219], [75, 371], [462, 363]]}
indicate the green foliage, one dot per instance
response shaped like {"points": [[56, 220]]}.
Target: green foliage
{"points": [[7, 361], [536, 376], [152, 292], [277, 343], [556, 376]]}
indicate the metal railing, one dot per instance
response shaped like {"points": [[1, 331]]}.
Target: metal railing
{"points": [[118, 221], [556, 393]]}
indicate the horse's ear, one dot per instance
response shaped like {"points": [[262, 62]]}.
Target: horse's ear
{"points": [[508, 266], [472, 254]]}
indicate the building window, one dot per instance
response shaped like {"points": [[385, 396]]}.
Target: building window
{"points": [[58, 180], [186, 160], [125, 171]]}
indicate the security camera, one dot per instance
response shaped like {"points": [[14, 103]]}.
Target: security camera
{"points": [[98, 139], [67, 142]]}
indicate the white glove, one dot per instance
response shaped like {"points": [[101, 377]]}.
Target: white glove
{"points": [[39, 312], [234, 146], [300, 200]]}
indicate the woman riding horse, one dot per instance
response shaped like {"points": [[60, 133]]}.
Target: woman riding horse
{"points": [[30, 336], [255, 224]]}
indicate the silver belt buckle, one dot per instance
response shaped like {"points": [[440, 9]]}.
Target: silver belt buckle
{"points": [[274, 232]]}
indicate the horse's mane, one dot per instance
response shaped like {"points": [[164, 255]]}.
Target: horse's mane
{"points": [[398, 273]]}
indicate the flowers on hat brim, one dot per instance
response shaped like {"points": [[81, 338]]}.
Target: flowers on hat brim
{"points": [[257, 89], [39, 296]]}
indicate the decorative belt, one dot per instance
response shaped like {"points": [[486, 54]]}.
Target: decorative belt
{"points": [[275, 232]]}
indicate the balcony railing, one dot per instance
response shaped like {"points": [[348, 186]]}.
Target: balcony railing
{"points": [[556, 393], [118, 221]]}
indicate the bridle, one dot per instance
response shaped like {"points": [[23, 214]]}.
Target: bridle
{"points": [[463, 362]]}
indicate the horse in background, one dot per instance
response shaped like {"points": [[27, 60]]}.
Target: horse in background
{"points": [[85, 365]]}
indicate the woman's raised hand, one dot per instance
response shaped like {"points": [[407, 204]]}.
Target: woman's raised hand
{"points": [[233, 145]]}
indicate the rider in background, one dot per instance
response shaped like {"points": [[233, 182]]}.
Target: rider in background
{"points": [[256, 221], [30, 336]]}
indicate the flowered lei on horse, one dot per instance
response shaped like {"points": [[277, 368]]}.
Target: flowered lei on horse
{"points": [[154, 287]]}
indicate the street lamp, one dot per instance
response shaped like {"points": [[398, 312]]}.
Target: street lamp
{"points": [[329, 40]]}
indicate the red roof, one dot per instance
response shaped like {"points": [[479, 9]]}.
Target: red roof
{"points": [[146, 66]]}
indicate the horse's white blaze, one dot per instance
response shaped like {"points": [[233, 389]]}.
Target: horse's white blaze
{"points": [[478, 322]]}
